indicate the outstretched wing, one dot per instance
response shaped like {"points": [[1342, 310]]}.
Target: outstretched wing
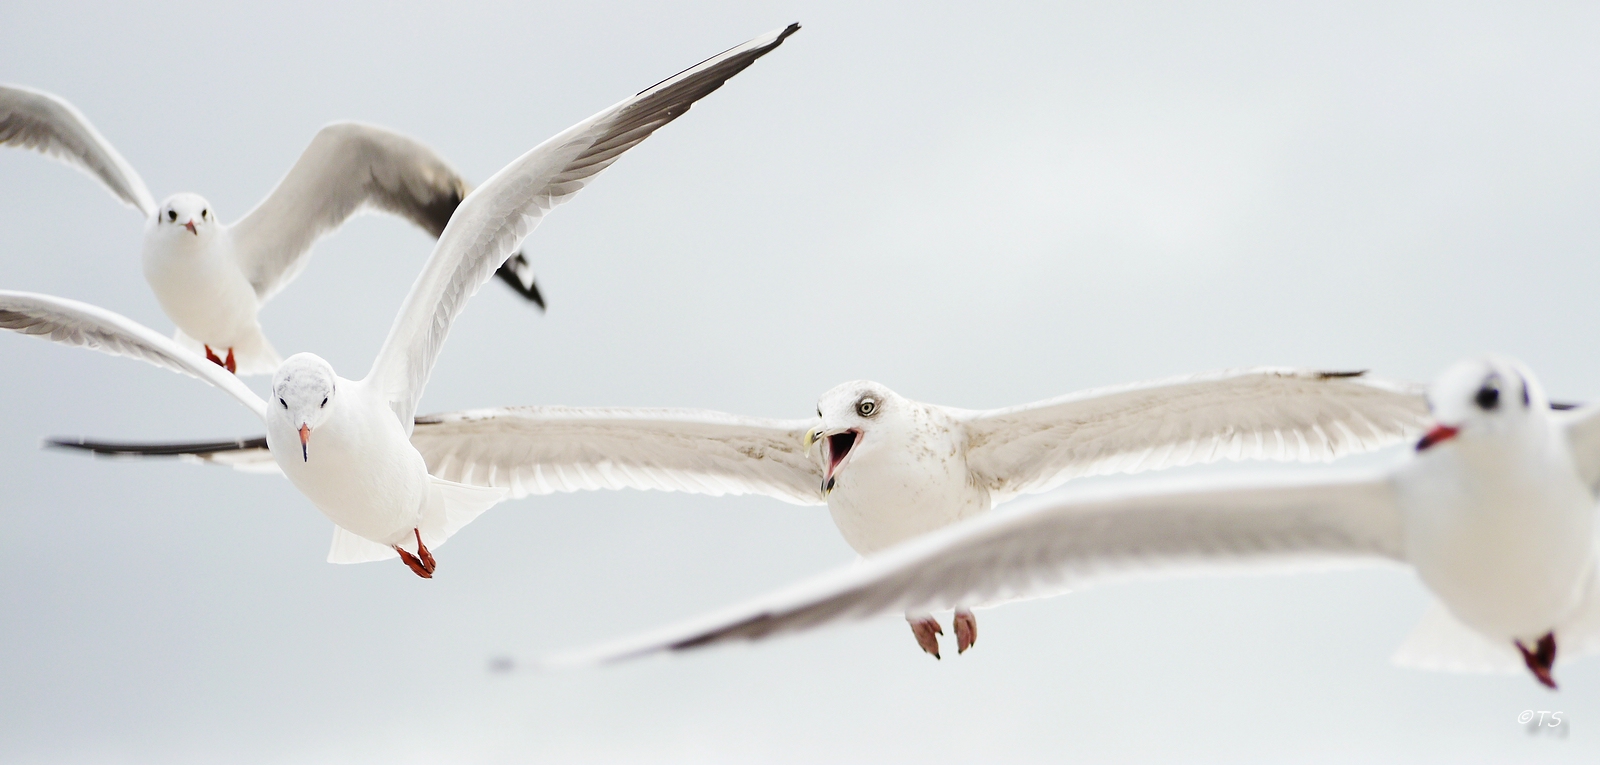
{"points": [[46, 123], [497, 216], [1058, 543], [70, 322], [348, 167], [1263, 413], [544, 450]]}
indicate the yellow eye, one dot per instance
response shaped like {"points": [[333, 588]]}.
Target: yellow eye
{"points": [[867, 407]]}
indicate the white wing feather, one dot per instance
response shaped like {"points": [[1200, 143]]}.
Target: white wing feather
{"points": [[347, 167], [46, 123], [70, 322], [1055, 543], [1263, 413], [543, 450], [495, 218]]}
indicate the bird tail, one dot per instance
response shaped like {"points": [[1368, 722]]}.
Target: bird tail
{"points": [[453, 505]]}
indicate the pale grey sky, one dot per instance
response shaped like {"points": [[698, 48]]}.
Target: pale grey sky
{"points": [[977, 204]]}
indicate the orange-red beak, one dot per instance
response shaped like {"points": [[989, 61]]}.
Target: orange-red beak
{"points": [[305, 435], [1440, 433], [190, 226]]}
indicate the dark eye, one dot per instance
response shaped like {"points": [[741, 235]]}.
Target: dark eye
{"points": [[285, 403], [172, 215], [203, 214], [867, 407], [1488, 397], [324, 402], [819, 411]]}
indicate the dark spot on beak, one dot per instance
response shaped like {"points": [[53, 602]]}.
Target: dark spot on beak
{"points": [[1439, 434]]}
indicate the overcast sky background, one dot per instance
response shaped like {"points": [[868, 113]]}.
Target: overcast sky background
{"points": [[977, 204]]}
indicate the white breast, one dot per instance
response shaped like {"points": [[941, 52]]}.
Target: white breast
{"points": [[362, 471], [1501, 531], [200, 287], [905, 478]]}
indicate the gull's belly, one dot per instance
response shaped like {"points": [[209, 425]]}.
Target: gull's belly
{"points": [[203, 292], [885, 502], [372, 483], [1508, 551]]}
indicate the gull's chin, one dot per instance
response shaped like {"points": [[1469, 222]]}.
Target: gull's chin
{"points": [[836, 451]]}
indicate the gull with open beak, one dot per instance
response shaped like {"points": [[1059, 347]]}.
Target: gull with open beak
{"points": [[213, 278], [1494, 510], [890, 468], [352, 438]]}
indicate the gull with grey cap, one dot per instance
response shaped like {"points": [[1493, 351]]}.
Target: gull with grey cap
{"points": [[212, 278], [890, 468], [345, 444], [1494, 510]]}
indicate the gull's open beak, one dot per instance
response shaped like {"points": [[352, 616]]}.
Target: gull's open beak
{"points": [[1439, 434], [190, 226], [836, 449], [305, 435]]}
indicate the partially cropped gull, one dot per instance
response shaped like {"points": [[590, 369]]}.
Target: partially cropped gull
{"points": [[212, 278], [345, 443], [1494, 510], [890, 468]]}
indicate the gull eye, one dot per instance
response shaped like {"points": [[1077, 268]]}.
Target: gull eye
{"points": [[819, 411], [1488, 397], [285, 403], [172, 215], [867, 407], [324, 402]]}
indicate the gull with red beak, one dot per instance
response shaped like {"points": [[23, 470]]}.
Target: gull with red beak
{"points": [[346, 444], [213, 278], [889, 468], [1494, 510]]}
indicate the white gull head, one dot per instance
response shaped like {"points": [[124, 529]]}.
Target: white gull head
{"points": [[304, 394]]}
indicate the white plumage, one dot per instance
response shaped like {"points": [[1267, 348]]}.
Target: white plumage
{"points": [[1495, 511], [366, 475]]}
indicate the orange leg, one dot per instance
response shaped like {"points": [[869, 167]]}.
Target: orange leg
{"points": [[211, 356], [230, 365], [422, 566]]}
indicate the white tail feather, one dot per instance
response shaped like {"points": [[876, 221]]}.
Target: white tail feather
{"points": [[349, 547]]}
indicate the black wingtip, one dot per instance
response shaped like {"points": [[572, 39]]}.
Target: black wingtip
{"points": [[1339, 375], [1564, 406], [124, 449], [511, 272]]}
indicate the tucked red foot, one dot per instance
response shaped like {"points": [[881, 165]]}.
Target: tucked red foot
{"points": [[1541, 659], [926, 630], [966, 627], [229, 365], [422, 566]]}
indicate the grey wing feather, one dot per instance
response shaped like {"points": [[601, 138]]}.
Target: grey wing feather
{"points": [[543, 450], [1065, 542], [46, 123], [497, 216], [70, 322], [1261, 413], [347, 167]]}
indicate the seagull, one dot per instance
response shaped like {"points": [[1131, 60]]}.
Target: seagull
{"points": [[890, 468], [213, 278], [345, 444], [1494, 509]]}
